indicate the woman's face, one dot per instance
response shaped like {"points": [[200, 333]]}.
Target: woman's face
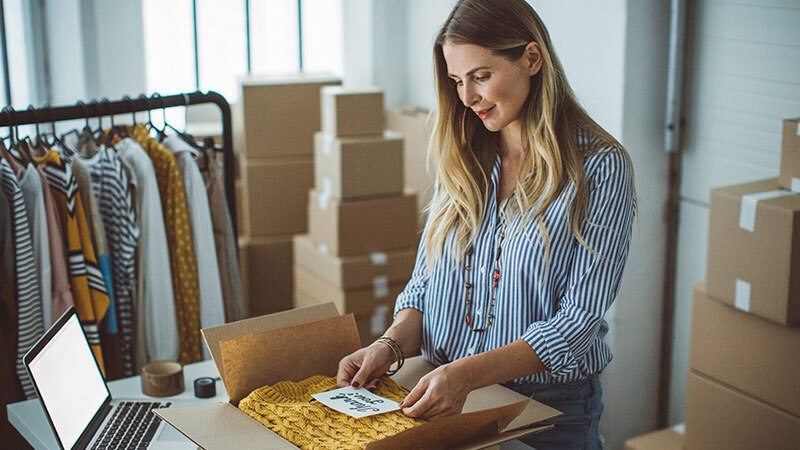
{"points": [[493, 87]]}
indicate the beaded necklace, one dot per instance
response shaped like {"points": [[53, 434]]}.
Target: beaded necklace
{"points": [[495, 280]]}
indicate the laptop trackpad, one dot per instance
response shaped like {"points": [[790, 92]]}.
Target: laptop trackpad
{"points": [[171, 439]]}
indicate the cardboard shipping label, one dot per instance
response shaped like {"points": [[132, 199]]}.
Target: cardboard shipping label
{"points": [[357, 403]]}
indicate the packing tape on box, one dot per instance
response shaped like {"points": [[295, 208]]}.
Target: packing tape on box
{"points": [[742, 295], [380, 286], [795, 184], [378, 258], [325, 194], [377, 322], [747, 211], [327, 144]]}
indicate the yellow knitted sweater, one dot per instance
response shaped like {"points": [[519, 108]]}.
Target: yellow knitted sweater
{"points": [[287, 409]]}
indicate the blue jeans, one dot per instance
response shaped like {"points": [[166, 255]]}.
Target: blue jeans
{"points": [[582, 404]]}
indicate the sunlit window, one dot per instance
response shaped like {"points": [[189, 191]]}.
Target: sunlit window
{"points": [[222, 42]]}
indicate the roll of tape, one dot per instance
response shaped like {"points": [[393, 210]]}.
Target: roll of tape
{"points": [[162, 379], [205, 387]]}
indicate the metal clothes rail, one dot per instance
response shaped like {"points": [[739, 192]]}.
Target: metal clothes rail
{"points": [[105, 108]]}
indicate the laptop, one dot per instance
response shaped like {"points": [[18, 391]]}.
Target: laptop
{"points": [[77, 402]]}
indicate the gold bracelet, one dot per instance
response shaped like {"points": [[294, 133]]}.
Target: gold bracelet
{"points": [[398, 352]]}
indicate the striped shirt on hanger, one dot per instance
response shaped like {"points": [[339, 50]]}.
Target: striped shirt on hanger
{"points": [[110, 183], [557, 308], [29, 302]]}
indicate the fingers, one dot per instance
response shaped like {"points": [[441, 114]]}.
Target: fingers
{"points": [[345, 374], [413, 397]]}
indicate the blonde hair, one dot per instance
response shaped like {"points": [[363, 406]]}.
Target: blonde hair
{"points": [[462, 151]]}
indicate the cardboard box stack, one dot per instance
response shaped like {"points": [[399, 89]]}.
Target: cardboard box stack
{"points": [[742, 390], [275, 122], [361, 245]]}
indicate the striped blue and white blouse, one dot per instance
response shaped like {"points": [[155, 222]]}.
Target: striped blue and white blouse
{"points": [[558, 309]]}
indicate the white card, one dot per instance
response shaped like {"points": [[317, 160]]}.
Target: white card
{"points": [[356, 402]]}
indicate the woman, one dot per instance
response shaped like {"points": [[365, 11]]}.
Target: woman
{"points": [[526, 238]]}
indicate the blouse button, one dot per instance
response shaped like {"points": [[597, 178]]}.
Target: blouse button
{"points": [[483, 270]]}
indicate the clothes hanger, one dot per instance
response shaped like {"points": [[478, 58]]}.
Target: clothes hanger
{"points": [[22, 150], [41, 141]]}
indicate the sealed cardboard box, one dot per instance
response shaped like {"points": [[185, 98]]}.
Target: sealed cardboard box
{"points": [[360, 271], [275, 195], [347, 228], [267, 276], [720, 417], [352, 111], [666, 439], [296, 344], [790, 155], [754, 250], [278, 115], [359, 166], [416, 129], [751, 354]]}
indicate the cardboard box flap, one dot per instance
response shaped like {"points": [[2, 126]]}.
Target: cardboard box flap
{"points": [[214, 335], [483, 398], [221, 426], [454, 431], [290, 353]]}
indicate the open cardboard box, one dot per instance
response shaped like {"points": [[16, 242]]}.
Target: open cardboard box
{"points": [[296, 344]]}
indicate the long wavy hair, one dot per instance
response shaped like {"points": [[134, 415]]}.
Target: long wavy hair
{"points": [[462, 151]]}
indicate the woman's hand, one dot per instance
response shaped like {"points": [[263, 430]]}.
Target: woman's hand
{"points": [[438, 394], [364, 366]]}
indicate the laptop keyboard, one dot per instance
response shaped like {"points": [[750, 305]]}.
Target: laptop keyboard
{"points": [[132, 426]]}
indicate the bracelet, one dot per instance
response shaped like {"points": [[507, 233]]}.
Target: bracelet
{"points": [[398, 353]]}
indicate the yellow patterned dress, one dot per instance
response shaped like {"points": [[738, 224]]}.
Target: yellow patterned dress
{"points": [[179, 239], [288, 409]]}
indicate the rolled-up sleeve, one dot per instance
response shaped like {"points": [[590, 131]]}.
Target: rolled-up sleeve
{"points": [[413, 296], [594, 278]]}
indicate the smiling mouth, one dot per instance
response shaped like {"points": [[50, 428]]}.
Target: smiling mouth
{"points": [[484, 113]]}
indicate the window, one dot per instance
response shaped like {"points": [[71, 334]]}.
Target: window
{"points": [[223, 42]]}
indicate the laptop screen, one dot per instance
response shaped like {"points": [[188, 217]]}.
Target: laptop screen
{"points": [[68, 381]]}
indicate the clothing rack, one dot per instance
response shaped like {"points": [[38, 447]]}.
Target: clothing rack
{"points": [[104, 108]]}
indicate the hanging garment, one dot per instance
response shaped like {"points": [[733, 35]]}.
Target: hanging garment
{"points": [[156, 324], [61, 297], [88, 288], [179, 239], [111, 188], [224, 240], [109, 337], [29, 303], [12, 390], [32, 194], [31, 184], [212, 308], [288, 409]]}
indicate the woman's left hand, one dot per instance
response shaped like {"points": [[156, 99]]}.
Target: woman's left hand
{"points": [[438, 394]]}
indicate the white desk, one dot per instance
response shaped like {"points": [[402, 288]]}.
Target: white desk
{"points": [[29, 419]]}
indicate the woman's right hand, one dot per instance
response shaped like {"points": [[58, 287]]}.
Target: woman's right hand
{"points": [[364, 366]]}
